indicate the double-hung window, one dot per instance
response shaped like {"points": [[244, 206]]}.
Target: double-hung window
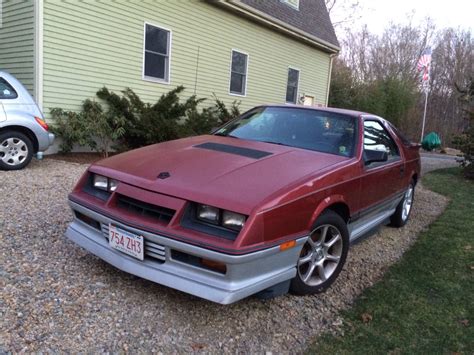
{"points": [[238, 73], [292, 86], [156, 62]]}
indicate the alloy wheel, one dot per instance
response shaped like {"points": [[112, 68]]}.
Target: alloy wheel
{"points": [[407, 203], [321, 255]]}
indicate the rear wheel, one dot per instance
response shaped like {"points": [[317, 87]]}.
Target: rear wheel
{"points": [[16, 150], [322, 256], [403, 211]]}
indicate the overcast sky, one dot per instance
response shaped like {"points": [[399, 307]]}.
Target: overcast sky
{"points": [[453, 13]]}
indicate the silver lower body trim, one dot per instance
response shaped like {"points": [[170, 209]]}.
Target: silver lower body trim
{"points": [[371, 220], [246, 274]]}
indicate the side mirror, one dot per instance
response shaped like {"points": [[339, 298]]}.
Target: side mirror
{"points": [[374, 156]]}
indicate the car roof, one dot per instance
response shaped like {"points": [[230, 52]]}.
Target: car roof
{"points": [[352, 113]]}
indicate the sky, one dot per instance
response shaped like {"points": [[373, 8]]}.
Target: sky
{"points": [[378, 13]]}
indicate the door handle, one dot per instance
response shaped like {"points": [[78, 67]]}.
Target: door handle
{"points": [[402, 170]]}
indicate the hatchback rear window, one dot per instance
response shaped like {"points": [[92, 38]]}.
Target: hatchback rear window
{"points": [[6, 90]]}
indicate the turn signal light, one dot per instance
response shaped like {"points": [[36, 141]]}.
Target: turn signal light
{"points": [[214, 265], [42, 123], [287, 245]]}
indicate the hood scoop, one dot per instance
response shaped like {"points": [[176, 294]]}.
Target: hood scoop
{"points": [[231, 149]]}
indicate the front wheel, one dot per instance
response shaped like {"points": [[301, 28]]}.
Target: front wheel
{"points": [[403, 211], [16, 150], [323, 255]]}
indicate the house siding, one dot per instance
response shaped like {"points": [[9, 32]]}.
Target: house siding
{"points": [[90, 44], [17, 36]]}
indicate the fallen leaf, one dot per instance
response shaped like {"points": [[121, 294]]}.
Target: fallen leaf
{"points": [[468, 247], [198, 346], [464, 322], [472, 267], [366, 317]]}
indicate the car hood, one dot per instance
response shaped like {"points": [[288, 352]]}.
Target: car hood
{"points": [[225, 172]]}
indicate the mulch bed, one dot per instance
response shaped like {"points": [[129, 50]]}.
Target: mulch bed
{"points": [[80, 158]]}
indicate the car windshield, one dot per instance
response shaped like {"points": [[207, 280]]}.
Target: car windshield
{"points": [[310, 129]]}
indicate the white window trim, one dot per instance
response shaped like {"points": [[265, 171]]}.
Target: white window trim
{"points": [[297, 86], [38, 53], [150, 78], [246, 72], [296, 7]]}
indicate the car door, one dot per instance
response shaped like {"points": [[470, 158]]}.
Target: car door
{"points": [[381, 182]]}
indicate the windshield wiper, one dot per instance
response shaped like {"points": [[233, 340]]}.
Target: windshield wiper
{"points": [[226, 135], [277, 143]]}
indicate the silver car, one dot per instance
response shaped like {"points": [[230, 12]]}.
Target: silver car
{"points": [[23, 131]]}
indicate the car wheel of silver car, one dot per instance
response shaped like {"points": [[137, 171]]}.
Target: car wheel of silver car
{"points": [[323, 255], [16, 150], [403, 211]]}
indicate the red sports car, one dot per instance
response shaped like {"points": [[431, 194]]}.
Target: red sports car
{"points": [[268, 203]]}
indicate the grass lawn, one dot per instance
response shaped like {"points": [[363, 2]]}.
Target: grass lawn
{"points": [[425, 303]]}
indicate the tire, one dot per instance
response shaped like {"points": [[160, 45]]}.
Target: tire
{"points": [[16, 150], [319, 263], [403, 211]]}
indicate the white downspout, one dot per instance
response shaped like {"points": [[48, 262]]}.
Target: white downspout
{"points": [[331, 58]]}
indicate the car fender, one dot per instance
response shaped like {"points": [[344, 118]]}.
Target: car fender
{"points": [[14, 118], [323, 205]]}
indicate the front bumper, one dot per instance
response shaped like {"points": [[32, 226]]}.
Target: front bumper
{"points": [[246, 274]]}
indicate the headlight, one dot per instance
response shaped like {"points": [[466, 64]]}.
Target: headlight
{"points": [[103, 183], [112, 185], [233, 220], [226, 219], [208, 214]]}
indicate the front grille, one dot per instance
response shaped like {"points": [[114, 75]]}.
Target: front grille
{"points": [[152, 250], [144, 209]]}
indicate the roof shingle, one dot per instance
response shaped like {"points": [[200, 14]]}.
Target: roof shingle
{"points": [[312, 16]]}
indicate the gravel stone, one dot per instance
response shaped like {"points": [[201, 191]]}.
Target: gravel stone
{"points": [[56, 297]]}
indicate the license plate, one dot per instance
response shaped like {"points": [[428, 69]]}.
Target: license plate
{"points": [[126, 242]]}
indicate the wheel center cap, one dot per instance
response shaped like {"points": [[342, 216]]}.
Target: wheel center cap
{"points": [[318, 254]]}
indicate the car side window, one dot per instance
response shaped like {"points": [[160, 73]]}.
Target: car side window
{"points": [[377, 138], [6, 90]]}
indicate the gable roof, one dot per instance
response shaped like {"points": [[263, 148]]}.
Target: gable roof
{"points": [[310, 22]]}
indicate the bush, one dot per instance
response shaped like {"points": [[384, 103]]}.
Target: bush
{"points": [[71, 127], [104, 127], [91, 127], [131, 123]]}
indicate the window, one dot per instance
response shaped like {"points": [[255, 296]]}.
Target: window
{"points": [[293, 3], [377, 138], [238, 73], [292, 86], [6, 90], [157, 53]]}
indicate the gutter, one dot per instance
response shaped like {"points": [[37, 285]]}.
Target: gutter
{"points": [[278, 25], [331, 59]]}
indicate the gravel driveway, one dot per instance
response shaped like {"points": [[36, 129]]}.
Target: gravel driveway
{"points": [[57, 297]]}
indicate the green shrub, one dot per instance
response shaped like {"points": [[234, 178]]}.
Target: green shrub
{"points": [[104, 127], [131, 123], [71, 127], [91, 127]]}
